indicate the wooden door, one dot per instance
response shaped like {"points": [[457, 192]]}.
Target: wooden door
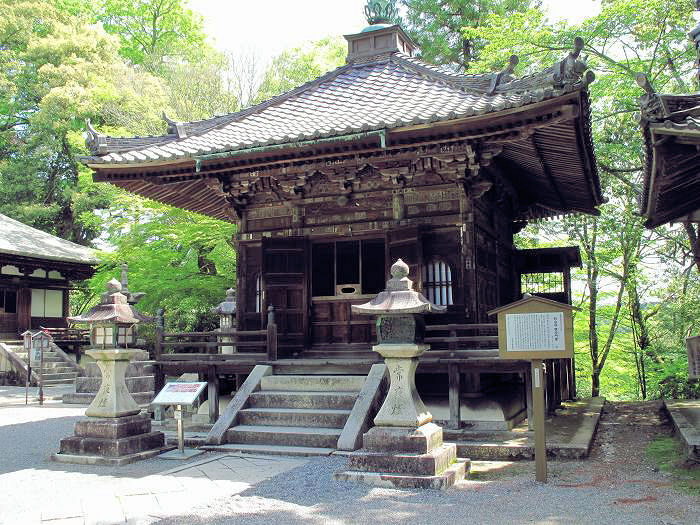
{"points": [[285, 285]]}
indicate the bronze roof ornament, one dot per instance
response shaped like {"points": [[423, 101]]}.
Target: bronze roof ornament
{"points": [[380, 12]]}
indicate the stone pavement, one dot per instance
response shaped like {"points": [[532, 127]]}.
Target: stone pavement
{"points": [[36, 490], [14, 395], [63, 497]]}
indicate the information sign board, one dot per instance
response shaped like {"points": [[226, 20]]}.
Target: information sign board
{"points": [[535, 328], [179, 393]]}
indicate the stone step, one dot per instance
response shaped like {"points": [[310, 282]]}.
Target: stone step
{"points": [[70, 376], [299, 399], [54, 382], [281, 435], [58, 370], [278, 450], [133, 384], [313, 383], [85, 398], [307, 417]]}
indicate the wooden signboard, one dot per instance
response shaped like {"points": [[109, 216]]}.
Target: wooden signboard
{"points": [[535, 328]]}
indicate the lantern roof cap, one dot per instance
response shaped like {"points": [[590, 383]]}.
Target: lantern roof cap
{"points": [[228, 305], [399, 298], [113, 308]]}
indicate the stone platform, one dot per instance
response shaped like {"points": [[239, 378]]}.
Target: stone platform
{"points": [[685, 415], [111, 441], [569, 434], [397, 457]]}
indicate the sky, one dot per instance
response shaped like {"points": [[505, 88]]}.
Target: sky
{"points": [[270, 26]]}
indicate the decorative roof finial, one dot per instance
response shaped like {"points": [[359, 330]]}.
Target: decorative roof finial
{"points": [[380, 12]]}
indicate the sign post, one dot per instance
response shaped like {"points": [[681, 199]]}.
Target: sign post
{"points": [[536, 329], [178, 394]]}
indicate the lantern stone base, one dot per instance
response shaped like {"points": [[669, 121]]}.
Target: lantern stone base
{"points": [[407, 457], [111, 441]]}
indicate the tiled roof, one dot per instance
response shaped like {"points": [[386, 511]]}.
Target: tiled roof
{"points": [[384, 92], [19, 239]]}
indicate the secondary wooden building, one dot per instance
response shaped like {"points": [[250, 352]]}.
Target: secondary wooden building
{"points": [[386, 157], [671, 128], [36, 270]]}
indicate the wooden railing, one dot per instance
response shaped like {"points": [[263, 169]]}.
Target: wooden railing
{"points": [[68, 335], [462, 340], [186, 346]]}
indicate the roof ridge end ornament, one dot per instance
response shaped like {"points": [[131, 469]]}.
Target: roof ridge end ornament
{"points": [[504, 76], [574, 68], [95, 141], [651, 105], [175, 127], [380, 12]]}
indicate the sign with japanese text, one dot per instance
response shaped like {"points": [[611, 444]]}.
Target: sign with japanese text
{"points": [[179, 393]]}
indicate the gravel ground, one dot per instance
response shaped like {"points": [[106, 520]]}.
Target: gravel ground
{"points": [[616, 486], [28, 441]]}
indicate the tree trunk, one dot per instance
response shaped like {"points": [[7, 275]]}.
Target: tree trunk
{"points": [[595, 382]]}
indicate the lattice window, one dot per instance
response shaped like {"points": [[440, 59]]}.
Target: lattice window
{"points": [[437, 282], [551, 282], [258, 293]]}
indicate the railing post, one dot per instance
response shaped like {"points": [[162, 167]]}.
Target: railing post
{"points": [[271, 334], [160, 329], [213, 394]]}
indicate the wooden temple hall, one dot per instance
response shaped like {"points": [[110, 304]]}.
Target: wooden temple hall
{"points": [[386, 157]]}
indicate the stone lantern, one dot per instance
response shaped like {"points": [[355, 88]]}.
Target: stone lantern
{"points": [[404, 449], [115, 432], [226, 312]]}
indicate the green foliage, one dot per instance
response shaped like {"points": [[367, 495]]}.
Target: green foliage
{"points": [[668, 454], [182, 261], [152, 32], [56, 72], [438, 27], [299, 65], [622, 303]]}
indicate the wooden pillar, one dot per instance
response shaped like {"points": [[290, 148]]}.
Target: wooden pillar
{"points": [[24, 309], [213, 394], [454, 397], [529, 401], [271, 334], [66, 307]]}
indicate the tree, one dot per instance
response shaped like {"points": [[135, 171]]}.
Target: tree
{"points": [[298, 65], [57, 72], [153, 32], [438, 27], [182, 261], [627, 37]]}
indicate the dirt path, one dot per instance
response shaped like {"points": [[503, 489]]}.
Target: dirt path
{"points": [[620, 469]]}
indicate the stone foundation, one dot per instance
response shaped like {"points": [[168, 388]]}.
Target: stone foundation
{"points": [[111, 441], [405, 457]]}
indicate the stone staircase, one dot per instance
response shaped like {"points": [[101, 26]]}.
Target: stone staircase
{"points": [[294, 414], [58, 368]]}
